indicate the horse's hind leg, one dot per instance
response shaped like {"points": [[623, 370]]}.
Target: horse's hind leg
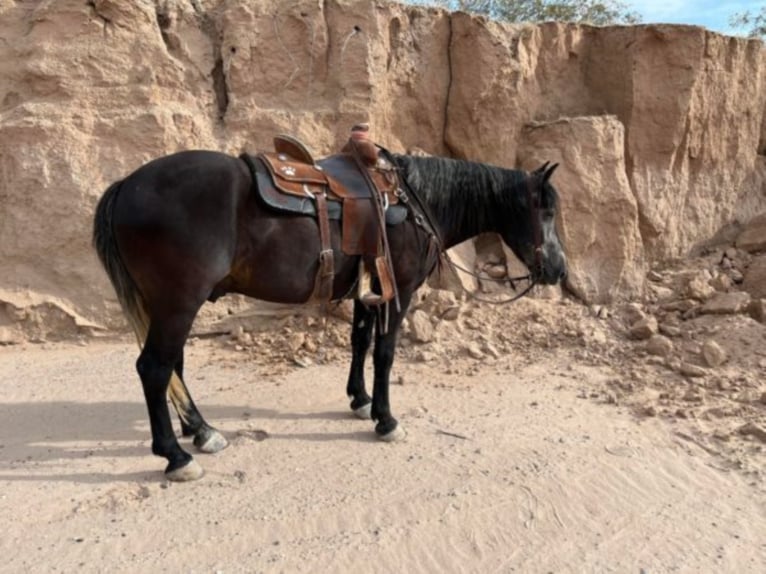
{"points": [[162, 351], [361, 337], [206, 438]]}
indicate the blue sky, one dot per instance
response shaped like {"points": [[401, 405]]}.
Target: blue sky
{"points": [[713, 14]]}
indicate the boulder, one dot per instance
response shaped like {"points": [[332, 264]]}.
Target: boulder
{"points": [[421, 329], [757, 310], [726, 303], [644, 328], [599, 215], [659, 345], [755, 277], [713, 353], [753, 236]]}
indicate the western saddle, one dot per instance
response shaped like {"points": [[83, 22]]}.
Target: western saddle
{"points": [[358, 186]]}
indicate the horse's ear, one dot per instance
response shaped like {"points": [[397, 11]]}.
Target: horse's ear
{"points": [[541, 170], [547, 175]]}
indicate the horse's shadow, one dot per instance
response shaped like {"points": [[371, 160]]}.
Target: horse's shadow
{"points": [[42, 432]]}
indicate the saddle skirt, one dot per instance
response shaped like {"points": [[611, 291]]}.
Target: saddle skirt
{"points": [[287, 184]]}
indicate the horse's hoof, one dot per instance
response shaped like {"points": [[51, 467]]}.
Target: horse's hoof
{"points": [[190, 471], [395, 435], [364, 412], [211, 441]]}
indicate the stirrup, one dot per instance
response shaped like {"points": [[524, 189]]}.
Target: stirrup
{"points": [[365, 294]]}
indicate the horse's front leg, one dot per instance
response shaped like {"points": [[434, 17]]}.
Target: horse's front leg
{"points": [[387, 427], [361, 337]]}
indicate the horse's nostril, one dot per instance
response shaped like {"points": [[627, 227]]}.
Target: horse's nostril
{"points": [[563, 276]]}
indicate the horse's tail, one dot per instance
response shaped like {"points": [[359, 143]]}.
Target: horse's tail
{"points": [[130, 298]]}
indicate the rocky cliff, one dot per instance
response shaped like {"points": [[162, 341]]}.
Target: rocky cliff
{"points": [[660, 129]]}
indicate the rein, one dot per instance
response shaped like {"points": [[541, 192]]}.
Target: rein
{"points": [[528, 277]]}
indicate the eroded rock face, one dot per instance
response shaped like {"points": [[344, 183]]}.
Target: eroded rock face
{"points": [[92, 90]]}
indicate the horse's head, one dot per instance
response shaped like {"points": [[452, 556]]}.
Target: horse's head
{"points": [[532, 234]]}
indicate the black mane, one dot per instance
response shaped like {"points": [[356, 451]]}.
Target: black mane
{"points": [[468, 198]]}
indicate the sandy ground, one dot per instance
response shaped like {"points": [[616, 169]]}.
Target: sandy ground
{"points": [[513, 469]]}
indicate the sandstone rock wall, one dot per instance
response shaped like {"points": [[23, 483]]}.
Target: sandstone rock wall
{"points": [[91, 90]]}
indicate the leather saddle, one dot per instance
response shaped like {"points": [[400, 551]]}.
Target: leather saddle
{"points": [[290, 180], [286, 182]]}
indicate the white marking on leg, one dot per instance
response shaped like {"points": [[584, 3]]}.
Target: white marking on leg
{"points": [[215, 442], [396, 435], [365, 412], [191, 471]]}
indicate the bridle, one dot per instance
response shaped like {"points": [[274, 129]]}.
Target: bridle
{"points": [[537, 235], [425, 221]]}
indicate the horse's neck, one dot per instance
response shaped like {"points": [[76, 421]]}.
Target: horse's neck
{"points": [[462, 197]]}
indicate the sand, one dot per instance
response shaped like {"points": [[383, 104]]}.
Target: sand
{"points": [[518, 468]]}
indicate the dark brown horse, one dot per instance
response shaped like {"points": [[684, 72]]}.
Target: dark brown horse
{"points": [[187, 228]]}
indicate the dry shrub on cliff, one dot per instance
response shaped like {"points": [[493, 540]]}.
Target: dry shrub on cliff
{"points": [[587, 11]]}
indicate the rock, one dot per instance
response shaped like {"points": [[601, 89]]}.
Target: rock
{"points": [[698, 288], [754, 281], [659, 345], [452, 313], [447, 278], [753, 236], [9, 336], [438, 302], [757, 310], [295, 340], [424, 356], [303, 362], [497, 271], [713, 353], [605, 205], [653, 276], [597, 337], [661, 293], [726, 303], [649, 411], [748, 396], [721, 282], [343, 310], [633, 312], [474, 351], [670, 330], [422, 331], [644, 328], [682, 305], [491, 350], [691, 370], [754, 430]]}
